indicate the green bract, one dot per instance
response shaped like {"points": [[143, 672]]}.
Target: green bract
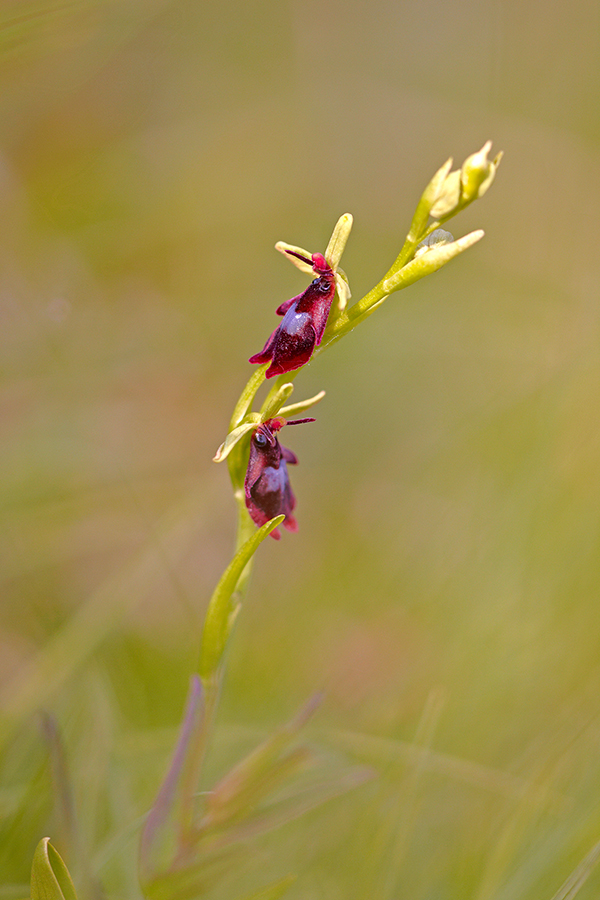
{"points": [[50, 879], [223, 608]]}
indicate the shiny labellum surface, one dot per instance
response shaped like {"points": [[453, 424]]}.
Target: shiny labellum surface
{"points": [[267, 484], [304, 319]]}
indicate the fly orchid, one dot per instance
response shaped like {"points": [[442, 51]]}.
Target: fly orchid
{"points": [[305, 316], [304, 319], [267, 484]]}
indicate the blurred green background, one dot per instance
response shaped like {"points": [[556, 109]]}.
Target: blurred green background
{"points": [[443, 588]]}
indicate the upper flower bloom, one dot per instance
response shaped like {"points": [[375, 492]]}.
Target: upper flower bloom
{"points": [[267, 485], [304, 319]]}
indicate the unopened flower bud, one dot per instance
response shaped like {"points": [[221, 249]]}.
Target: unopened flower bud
{"points": [[448, 197], [477, 173]]}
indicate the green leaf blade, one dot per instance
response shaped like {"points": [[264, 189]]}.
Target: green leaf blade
{"points": [[50, 878], [221, 612]]}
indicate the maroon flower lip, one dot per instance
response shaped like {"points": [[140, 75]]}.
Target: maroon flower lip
{"points": [[267, 483], [304, 319]]}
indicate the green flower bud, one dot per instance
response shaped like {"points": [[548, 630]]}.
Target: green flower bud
{"points": [[477, 173], [448, 197], [461, 187]]}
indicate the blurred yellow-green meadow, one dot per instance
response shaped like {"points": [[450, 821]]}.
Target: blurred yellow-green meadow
{"points": [[443, 589]]}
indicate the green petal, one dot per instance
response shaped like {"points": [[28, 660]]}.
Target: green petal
{"points": [[343, 289]]}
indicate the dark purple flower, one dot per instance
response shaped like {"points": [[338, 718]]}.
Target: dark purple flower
{"points": [[304, 319], [267, 484]]}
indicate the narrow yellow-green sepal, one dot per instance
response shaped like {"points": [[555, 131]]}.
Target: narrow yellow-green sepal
{"points": [[234, 436], [301, 406], [274, 402], [333, 253], [338, 240], [286, 249], [50, 879]]}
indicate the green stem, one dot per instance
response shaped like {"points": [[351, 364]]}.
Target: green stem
{"points": [[349, 319], [193, 769]]}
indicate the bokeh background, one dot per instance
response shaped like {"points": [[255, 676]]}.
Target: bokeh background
{"points": [[443, 588]]}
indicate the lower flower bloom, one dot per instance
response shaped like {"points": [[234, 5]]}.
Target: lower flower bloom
{"points": [[267, 483]]}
